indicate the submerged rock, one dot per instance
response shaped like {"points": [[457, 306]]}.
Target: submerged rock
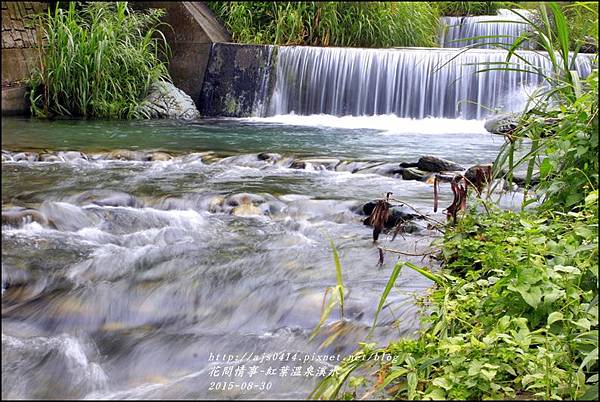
{"points": [[50, 158], [108, 198], [26, 156], [216, 204], [352, 166], [165, 100], [159, 156], [71, 155], [246, 210], [21, 216], [268, 156], [298, 164], [6, 156], [244, 199], [126, 155], [316, 163]]}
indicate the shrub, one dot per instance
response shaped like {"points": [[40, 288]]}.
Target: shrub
{"points": [[98, 61]]}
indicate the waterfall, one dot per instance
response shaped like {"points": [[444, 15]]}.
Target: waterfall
{"points": [[504, 28], [410, 82]]}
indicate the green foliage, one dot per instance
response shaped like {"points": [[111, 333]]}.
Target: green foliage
{"points": [[98, 61], [469, 8], [514, 311], [560, 126], [360, 24], [513, 314], [582, 21]]}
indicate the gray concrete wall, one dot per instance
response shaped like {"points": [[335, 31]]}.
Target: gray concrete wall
{"points": [[194, 29], [237, 78]]}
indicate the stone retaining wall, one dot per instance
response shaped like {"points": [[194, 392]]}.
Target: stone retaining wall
{"points": [[19, 56]]}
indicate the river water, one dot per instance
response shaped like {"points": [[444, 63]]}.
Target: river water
{"points": [[154, 271]]}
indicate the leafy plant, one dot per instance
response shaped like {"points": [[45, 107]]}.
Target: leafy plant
{"points": [[560, 124], [98, 61], [514, 310], [513, 314]]}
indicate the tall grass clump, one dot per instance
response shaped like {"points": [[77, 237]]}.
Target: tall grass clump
{"points": [[353, 24], [513, 313], [469, 8], [582, 22], [97, 60]]}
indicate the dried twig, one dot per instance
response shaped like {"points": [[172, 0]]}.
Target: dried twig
{"points": [[391, 250], [459, 203], [420, 213]]}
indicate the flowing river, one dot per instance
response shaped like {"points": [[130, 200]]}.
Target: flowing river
{"points": [[154, 272]]}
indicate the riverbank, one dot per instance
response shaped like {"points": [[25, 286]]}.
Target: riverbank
{"points": [[513, 315]]}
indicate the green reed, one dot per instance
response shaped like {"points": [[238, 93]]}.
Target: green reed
{"points": [[96, 61], [353, 24]]}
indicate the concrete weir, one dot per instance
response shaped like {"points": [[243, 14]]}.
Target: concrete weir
{"points": [[237, 80], [251, 80]]}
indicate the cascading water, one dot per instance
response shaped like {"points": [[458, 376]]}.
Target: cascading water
{"points": [[484, 30], [415, 82]]}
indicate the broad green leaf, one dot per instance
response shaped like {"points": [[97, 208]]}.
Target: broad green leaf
{"points": [[555, 316], [590, 358]]}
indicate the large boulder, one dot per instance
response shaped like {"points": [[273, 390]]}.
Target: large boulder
{"points": [[503, 123], [167, 101]]}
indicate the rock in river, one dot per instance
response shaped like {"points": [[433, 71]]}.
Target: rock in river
{"points": [[20, 216], [126, 155], [165, 100], [397, 214], [415, 174], [502, 123], [430, 163]]}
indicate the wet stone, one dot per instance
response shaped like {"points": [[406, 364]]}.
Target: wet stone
{"points": [[397, 214], [267, 156], [71, 155], [430, 163], [26, 156], [126, 155], [50, 158], [20, 216], [414, 174], [159, 156]]}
